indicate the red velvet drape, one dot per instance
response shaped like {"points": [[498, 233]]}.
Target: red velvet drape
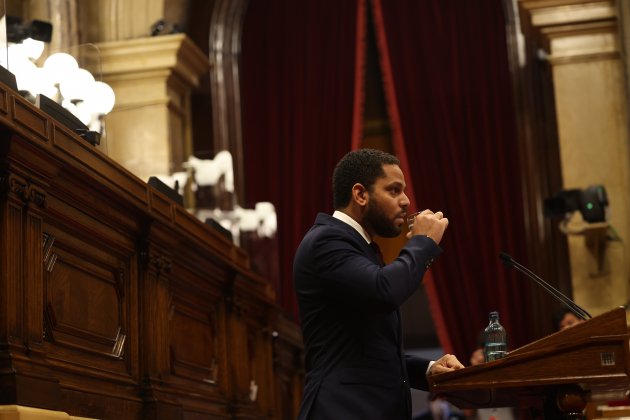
{"points": [[446, 76], [299, 67]]}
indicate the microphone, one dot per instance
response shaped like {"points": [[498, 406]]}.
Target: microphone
{"points": [[572, 306]]}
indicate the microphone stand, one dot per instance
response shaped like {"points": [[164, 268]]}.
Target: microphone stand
{"points": [[571, 305]]}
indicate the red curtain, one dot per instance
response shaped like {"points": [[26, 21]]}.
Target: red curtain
{"points": [[447, 82], [299, 95]]}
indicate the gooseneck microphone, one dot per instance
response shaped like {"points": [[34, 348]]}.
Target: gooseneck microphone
{"points": [[572, 306]]}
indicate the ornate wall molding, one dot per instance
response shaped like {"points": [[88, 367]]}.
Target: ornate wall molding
{"points": [[29, 193], [156, 260]]}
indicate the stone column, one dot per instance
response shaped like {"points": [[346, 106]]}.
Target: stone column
{"points": [[148, 130], [580, 40], [63, 16]]}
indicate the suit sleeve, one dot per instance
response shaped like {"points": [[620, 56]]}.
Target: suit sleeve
{"points": [[352, 274], [417, 371]]}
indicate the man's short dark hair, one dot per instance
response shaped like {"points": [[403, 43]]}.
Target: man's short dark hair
{"points": [[361, 166]]}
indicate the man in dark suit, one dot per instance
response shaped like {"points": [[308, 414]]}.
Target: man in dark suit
{"points": [[349, 300]]}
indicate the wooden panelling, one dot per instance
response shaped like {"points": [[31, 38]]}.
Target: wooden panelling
{"points": [[12, 266], [161, 205], [34, 121], [4, 101], [105, 172], [116, 303], [83, 304]]}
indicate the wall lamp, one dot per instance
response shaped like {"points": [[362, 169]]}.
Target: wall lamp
{"points": [[59, 79], [591, 202]]}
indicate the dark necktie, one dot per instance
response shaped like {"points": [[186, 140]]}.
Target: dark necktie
{"points": [[377, 251]]}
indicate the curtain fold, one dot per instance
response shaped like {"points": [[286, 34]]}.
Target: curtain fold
{"points": [[300, 64], [398, 143], [446, 78]]}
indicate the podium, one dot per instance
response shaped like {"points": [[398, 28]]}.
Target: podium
{"points": [[589, 361]]}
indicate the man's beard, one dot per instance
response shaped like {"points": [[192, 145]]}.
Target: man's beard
{"points": [[380, 224]]}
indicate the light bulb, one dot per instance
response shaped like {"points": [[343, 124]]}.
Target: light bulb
{"points": [[59, 66], [100, 98], [263, 208], [33, 48], [43, 84], [85, 113], [16, 56], [25, 75], [77, 110], [248, 220], [78, 85]]}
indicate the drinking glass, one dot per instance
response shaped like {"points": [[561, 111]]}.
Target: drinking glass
{"points": [[410, 219]]}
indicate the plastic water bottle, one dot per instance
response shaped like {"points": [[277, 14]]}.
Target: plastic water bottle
{"points": [[495, 339]]}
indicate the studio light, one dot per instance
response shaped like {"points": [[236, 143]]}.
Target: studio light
{"points": [[18, 31], [591, 202]]}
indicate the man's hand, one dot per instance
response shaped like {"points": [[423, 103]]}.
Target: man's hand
{"points": [[429, 224], [446, 363]]}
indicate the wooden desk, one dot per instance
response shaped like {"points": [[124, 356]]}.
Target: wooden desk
{"points": [[117, 303]]}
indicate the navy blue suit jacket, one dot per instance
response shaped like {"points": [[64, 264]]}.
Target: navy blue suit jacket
{"points": [[349, 312]]}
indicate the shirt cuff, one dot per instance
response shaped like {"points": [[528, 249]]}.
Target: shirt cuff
{"points": [[429, 367]]}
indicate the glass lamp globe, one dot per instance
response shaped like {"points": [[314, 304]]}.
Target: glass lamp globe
{"points": [[101, 98], [25, 75], [16, 57], [59, 66], [33, 48], [248, 220], [43, 85], [77, 85]]}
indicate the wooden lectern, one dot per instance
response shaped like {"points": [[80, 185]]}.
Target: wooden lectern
{"points": [[586, 362]]}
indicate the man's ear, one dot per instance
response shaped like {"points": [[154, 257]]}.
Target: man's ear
{"points": [[360, 194]]}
